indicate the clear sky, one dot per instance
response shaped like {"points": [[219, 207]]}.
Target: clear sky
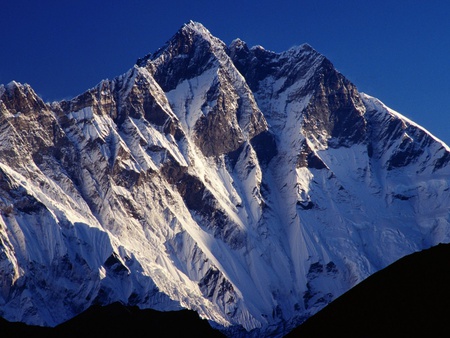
{"points": [[395, 50]]}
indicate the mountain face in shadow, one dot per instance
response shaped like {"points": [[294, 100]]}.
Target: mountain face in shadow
{"points": [[409, 298], [116, 320]]}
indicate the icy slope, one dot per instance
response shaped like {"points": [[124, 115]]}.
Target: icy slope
{"points": [[250, 186]]}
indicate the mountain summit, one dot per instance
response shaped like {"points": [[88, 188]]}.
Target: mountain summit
{"points": [[250, 186]]}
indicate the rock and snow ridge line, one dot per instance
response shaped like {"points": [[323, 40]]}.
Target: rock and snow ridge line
{"points": [[238, 182]]}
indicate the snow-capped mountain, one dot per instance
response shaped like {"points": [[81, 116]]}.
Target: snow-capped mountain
{"points": [[250, 186]]}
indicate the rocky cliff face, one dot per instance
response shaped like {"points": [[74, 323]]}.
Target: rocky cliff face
{"points": [[244, 184], [208, 94]]}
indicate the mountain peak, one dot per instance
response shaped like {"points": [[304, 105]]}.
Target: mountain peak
{"points": [[195, 28], [190, 36], [238, 43], [18, 97], [190, 51], [14, 85]]}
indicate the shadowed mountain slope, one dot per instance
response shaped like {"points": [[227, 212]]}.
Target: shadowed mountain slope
{"points": [[409, 298], [116, 320]]}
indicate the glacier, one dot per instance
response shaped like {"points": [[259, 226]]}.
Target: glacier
{"points": [[251, 186]]}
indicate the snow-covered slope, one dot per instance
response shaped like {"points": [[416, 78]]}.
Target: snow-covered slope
{"points": [[250, 186]]}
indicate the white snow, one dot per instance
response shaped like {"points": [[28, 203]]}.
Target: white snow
{"points": [[373, 103], [189, 100]]}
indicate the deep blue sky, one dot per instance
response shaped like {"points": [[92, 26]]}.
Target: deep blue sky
{"points": [[398, 51]]}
